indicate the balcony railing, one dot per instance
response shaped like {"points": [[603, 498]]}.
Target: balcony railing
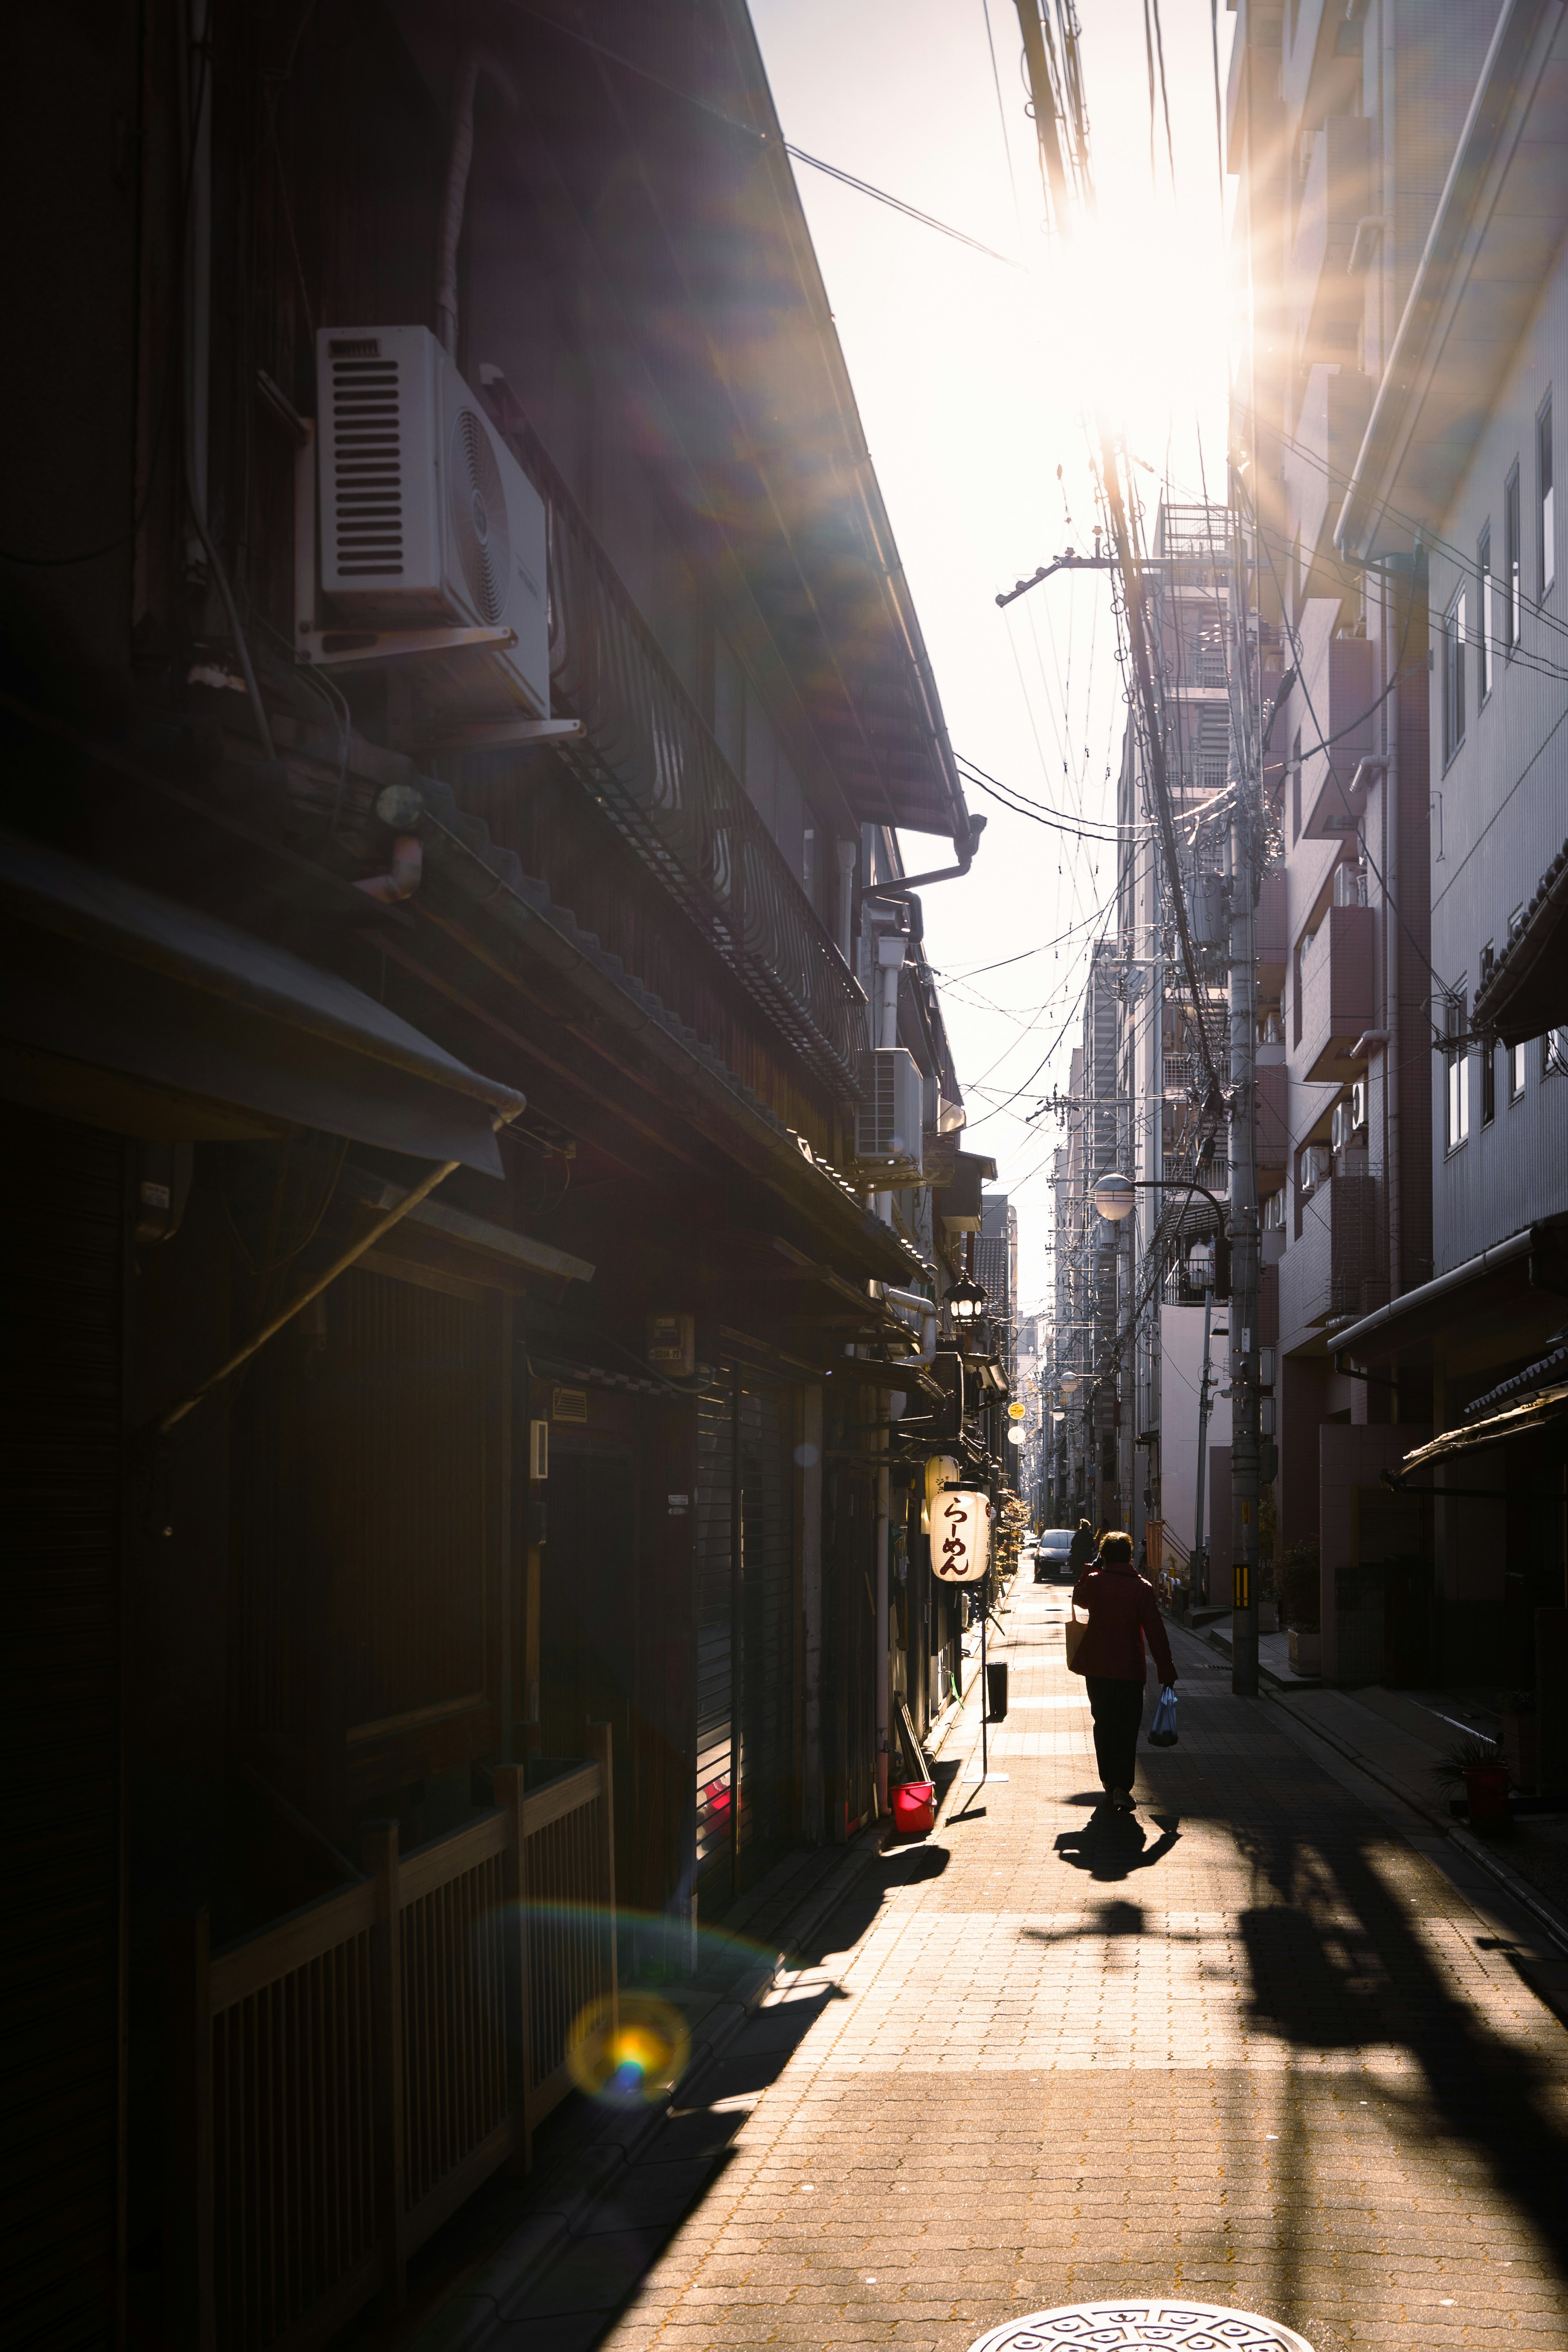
{"points": [[1324, 297], [1336, 1268], [652, 763], [1335, 978]]}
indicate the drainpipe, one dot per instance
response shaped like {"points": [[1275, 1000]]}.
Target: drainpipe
{"points": [[914, 1302], [848, 852], [890, 946], [909, 883], [890, 950], [464, 91]]}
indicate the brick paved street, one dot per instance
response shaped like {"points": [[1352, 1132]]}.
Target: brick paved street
{"points": [[1258, 2046]]}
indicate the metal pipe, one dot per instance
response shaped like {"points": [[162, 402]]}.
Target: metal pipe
{"points": [[340, 1264], [454, 198], [848, 852], [1200, 1550]]}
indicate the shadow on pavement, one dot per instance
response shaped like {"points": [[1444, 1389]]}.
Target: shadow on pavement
{"points": [[1335, 1962], [1112, 1845], [901, 1866]]}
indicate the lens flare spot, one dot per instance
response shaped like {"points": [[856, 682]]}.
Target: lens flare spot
{"points": [[628, 2051]]}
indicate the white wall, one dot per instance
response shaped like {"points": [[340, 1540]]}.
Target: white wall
{"points": [[1181, 1366]]}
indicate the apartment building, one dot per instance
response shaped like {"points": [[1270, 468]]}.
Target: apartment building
{"points": [[1456, 480], [1401, 218], [1340, 125]]}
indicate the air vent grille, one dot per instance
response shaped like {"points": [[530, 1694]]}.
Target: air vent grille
{"points": [[367, 465], [478, 508]]}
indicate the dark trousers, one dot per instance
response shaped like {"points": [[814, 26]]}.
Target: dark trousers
{"points": [[1118, 1709]]}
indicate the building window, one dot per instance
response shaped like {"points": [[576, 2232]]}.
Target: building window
{"points": [[1554, 1053], [1545, 518], [1454, 634], [1459, 1060], [1296, 787], [1487, 615], [1489, 1083], [1510, 616], [1515, 1072]]}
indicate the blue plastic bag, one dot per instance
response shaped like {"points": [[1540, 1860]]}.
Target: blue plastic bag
{"points": [[1163, 1731]]}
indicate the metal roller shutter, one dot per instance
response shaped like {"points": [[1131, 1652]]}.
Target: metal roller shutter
{"points": [[62, 1212], [714, 1630], [767, 1681], [745, 1613]]}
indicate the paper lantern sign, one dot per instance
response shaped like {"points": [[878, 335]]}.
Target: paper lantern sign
{"points": [[941, 1470], [960, 1536]]}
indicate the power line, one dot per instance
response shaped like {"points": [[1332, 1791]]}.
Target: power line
{"points": [[763, 138], [910, 212]]}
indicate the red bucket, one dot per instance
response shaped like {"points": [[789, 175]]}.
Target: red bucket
{"points": [[913, 1807], [1486, 1791]]}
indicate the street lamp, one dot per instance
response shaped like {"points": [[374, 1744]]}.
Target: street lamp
{"points": [[1112, 1196], [966, 1302]]}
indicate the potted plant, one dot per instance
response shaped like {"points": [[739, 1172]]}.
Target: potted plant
{"points": [[1476, 1765], [1300, 1604]]}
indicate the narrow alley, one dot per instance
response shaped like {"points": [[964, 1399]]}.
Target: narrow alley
{"points": [[1267, 2045]]}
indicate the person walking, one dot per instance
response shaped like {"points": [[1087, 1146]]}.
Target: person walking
{"points": [[1123, 1615], [1082, 1550]]}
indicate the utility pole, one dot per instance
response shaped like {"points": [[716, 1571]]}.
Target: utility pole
{"points": [[1245, 840], [1199, 1571], [1049, 110]]}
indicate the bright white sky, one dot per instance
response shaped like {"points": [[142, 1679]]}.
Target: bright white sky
{"points": [[975, 382]]}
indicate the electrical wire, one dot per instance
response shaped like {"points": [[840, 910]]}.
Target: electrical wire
{"points": [[750, 130], [1040, 811]]}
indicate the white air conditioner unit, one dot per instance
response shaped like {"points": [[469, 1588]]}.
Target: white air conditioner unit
{"points": [[427, 516], [1349, 1119], [1317, 1166], [888, 1120]]}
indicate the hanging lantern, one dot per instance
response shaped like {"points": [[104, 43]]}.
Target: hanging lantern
{"points": [[965, 1302], [941, 1470], [960, 1535]]}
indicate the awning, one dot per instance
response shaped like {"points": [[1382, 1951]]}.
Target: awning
{"points": [[1518, 1420], [1532, 1266], [131, 1012], [1526, 991]]}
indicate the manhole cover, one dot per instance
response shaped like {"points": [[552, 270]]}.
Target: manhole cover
{"points": [[1109, 2327]]}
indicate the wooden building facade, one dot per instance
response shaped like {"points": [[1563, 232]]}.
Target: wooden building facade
{"points": [[532, 1062]]}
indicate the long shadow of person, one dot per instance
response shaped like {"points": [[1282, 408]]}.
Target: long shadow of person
{"points": [[1112, 1845]]}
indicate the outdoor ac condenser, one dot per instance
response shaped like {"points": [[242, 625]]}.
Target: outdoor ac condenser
{"points": [[427, 516], [888, 1119]]}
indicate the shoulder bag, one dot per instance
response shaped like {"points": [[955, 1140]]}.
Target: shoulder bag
{"points": [[1074, 1631]]}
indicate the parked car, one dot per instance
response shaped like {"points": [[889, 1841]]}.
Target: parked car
{"points": [[1051, 1559]]}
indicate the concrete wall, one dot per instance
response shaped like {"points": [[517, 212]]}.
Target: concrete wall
{"points": [[1504, 809], [1356, 1534], [1181, 1369]]}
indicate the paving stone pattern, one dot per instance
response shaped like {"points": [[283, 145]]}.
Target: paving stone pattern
{"points": [[1258, 2045]]}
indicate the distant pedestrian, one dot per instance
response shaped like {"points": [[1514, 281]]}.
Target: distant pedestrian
{"points": [[1123, 1614], [1080, 1551]]}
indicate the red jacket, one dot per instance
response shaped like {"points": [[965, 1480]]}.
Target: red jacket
{"points": [[1122, 1612]]}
